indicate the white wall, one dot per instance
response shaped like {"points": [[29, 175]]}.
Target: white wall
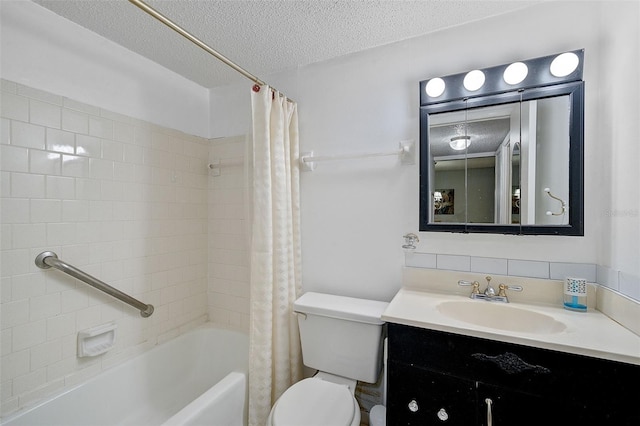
{"points": [[355, 213], [43, 50]]}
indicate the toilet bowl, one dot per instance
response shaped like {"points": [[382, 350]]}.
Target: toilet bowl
{"points": [[316, 402], [341, 338]]}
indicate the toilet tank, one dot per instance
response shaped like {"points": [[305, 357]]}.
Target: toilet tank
{"points": [[341, 335]]}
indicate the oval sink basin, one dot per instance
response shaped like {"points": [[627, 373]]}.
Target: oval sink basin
{"points": [[501, 317]]}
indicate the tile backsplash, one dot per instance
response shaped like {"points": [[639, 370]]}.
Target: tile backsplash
{"points": [[122, 199], [616, 280]]}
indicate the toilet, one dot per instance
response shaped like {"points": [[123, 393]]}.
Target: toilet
{"points": [[341, 337]]}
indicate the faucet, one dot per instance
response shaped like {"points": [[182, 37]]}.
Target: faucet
{"points": [[489, 293]]}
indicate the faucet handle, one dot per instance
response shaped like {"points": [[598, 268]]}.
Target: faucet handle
{"points": [[475, 285], [503, 287]]}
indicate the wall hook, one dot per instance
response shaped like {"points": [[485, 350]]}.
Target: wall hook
{"points": [[562, 202]]}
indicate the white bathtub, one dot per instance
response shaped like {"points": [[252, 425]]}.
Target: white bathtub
{"points": [[195, 379]]}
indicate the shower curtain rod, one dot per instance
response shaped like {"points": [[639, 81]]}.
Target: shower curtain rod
{"points": [[169, 23]]}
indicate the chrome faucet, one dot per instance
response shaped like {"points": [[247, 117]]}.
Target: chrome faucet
{"points": [[489, 293]]}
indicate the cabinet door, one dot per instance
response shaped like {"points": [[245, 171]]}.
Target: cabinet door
{"points": [[420, 397], [509, 407]]}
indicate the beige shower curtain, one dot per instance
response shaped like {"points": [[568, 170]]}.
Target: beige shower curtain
{"points": [[275, 358]]}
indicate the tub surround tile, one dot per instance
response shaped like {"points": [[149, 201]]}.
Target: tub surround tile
{"points": [[74, 182], [44, 162], [88, 146], [38, 95], [27, 135], [60, 141], [75, 166], [45, 114], [45, 211], [14, 107], [15, 210], [29, 334], [5, 131], [5, 342], [14, 158], [74, 121], [59, 187]]}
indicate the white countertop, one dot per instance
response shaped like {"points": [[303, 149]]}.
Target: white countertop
{"points": [[588, 333]]}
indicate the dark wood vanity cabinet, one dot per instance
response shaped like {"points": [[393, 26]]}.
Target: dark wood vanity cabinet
{"points": [[440, 378]]}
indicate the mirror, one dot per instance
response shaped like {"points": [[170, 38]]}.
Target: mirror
{"points": [[509, 163]]}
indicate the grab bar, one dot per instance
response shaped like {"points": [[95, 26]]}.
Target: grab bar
{"points": [[48, 259]]}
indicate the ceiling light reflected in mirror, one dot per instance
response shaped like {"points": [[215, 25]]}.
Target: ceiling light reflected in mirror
{"points": [[460, 142]]}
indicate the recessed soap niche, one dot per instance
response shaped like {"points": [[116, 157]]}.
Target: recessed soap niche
{"points": [[96, 340]]}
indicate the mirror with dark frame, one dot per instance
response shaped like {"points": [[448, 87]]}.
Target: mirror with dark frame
{"points": [[507, 159]]}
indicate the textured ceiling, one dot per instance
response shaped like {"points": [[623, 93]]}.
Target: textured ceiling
{"points": [[265, 37], [486, 136]]}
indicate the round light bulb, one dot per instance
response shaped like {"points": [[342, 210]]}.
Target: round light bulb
{"points": [[435, 87], [564, 64], [515, 73], [473, 80]]}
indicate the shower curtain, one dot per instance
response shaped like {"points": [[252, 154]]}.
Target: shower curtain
{"points": [[275, 358]]}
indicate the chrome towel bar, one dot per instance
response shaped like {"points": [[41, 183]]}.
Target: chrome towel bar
{"points": [[48, 259]]}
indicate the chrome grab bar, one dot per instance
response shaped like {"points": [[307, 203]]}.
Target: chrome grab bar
{"points": [[48, 259]]}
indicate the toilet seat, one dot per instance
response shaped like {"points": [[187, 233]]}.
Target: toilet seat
{"points": [[315, 402]]}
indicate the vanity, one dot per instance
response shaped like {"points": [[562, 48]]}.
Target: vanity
{"points": [[552, 367]]}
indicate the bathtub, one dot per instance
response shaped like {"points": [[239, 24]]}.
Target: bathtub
{"points": [[197, 378]]}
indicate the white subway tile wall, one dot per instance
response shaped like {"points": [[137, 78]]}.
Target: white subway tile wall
{"points": [[123, 200], [229, 232]]}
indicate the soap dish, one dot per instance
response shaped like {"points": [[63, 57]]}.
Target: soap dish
{"points": [[96, 340]]}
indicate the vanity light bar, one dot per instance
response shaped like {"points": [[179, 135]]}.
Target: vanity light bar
{"points": [[543, 71]]}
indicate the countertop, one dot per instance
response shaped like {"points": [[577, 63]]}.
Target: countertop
{"points": [[588, 333]]}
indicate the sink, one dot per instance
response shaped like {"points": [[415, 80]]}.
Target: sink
{"points": [[500, 316]]}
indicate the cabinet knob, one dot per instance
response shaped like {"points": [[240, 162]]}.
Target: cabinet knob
{"points": [[413, 406], [443, 415]]}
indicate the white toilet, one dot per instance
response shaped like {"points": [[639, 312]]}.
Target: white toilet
{"points": [[341, 338]]}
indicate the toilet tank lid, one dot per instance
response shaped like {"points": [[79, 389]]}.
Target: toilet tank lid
{"points": [[341, 307]]}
